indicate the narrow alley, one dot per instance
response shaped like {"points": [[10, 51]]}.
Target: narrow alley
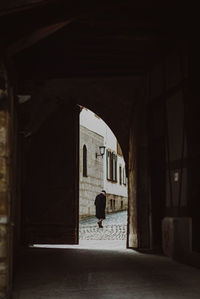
{"points": [[114, 228]]}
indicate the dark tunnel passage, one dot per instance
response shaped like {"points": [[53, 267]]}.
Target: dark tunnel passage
{"points": [[134, 64]]}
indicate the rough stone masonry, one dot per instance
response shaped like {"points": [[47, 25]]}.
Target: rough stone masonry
{"points": [[4, 185]]}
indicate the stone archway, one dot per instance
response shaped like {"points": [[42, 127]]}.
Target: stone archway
{"points": [[106, 172]]}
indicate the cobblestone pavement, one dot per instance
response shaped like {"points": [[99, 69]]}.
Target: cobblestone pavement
{"points": [[114, 228]]}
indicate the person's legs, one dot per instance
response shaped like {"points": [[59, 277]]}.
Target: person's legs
{"points": [[100, 222]]}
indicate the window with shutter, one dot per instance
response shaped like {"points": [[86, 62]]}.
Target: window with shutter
{"points": [[111, 166], [124, 176], [108, 165], [120, 175]]}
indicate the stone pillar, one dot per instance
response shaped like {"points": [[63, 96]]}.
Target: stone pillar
{"points": [[132, 195], [4, 188]]}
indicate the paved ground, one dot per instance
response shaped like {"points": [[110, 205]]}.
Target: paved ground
{"points": [[102, 269], [102, 274], [114, 228], [111, 236]]}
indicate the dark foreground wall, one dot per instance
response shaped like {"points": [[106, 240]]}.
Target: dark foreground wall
{"points": [[173, 124], [50, 179]]}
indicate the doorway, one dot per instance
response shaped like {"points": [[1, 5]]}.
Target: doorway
{"points": [[101, 167]]}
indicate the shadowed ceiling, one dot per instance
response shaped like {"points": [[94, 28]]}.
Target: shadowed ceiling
{"points": [[75, 38]]}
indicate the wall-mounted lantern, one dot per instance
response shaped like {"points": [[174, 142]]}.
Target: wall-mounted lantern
{"points": [[101, 150]]}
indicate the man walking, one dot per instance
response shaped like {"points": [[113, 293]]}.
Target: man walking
{"points": [[100, 203]]}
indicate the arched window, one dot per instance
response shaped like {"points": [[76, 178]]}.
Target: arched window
{"points": [[84, 160]]}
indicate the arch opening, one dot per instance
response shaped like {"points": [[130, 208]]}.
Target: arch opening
{"points": [[105, 172]]}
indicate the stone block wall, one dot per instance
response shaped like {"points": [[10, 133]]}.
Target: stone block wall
{"points": [[92, 184], [116, 203]]}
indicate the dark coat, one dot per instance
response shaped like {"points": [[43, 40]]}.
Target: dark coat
{"points": [[100, 203]]}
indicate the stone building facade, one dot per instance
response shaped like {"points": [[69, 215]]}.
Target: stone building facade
{"points": [[91, 171], [107, 172], [116, 203]]}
